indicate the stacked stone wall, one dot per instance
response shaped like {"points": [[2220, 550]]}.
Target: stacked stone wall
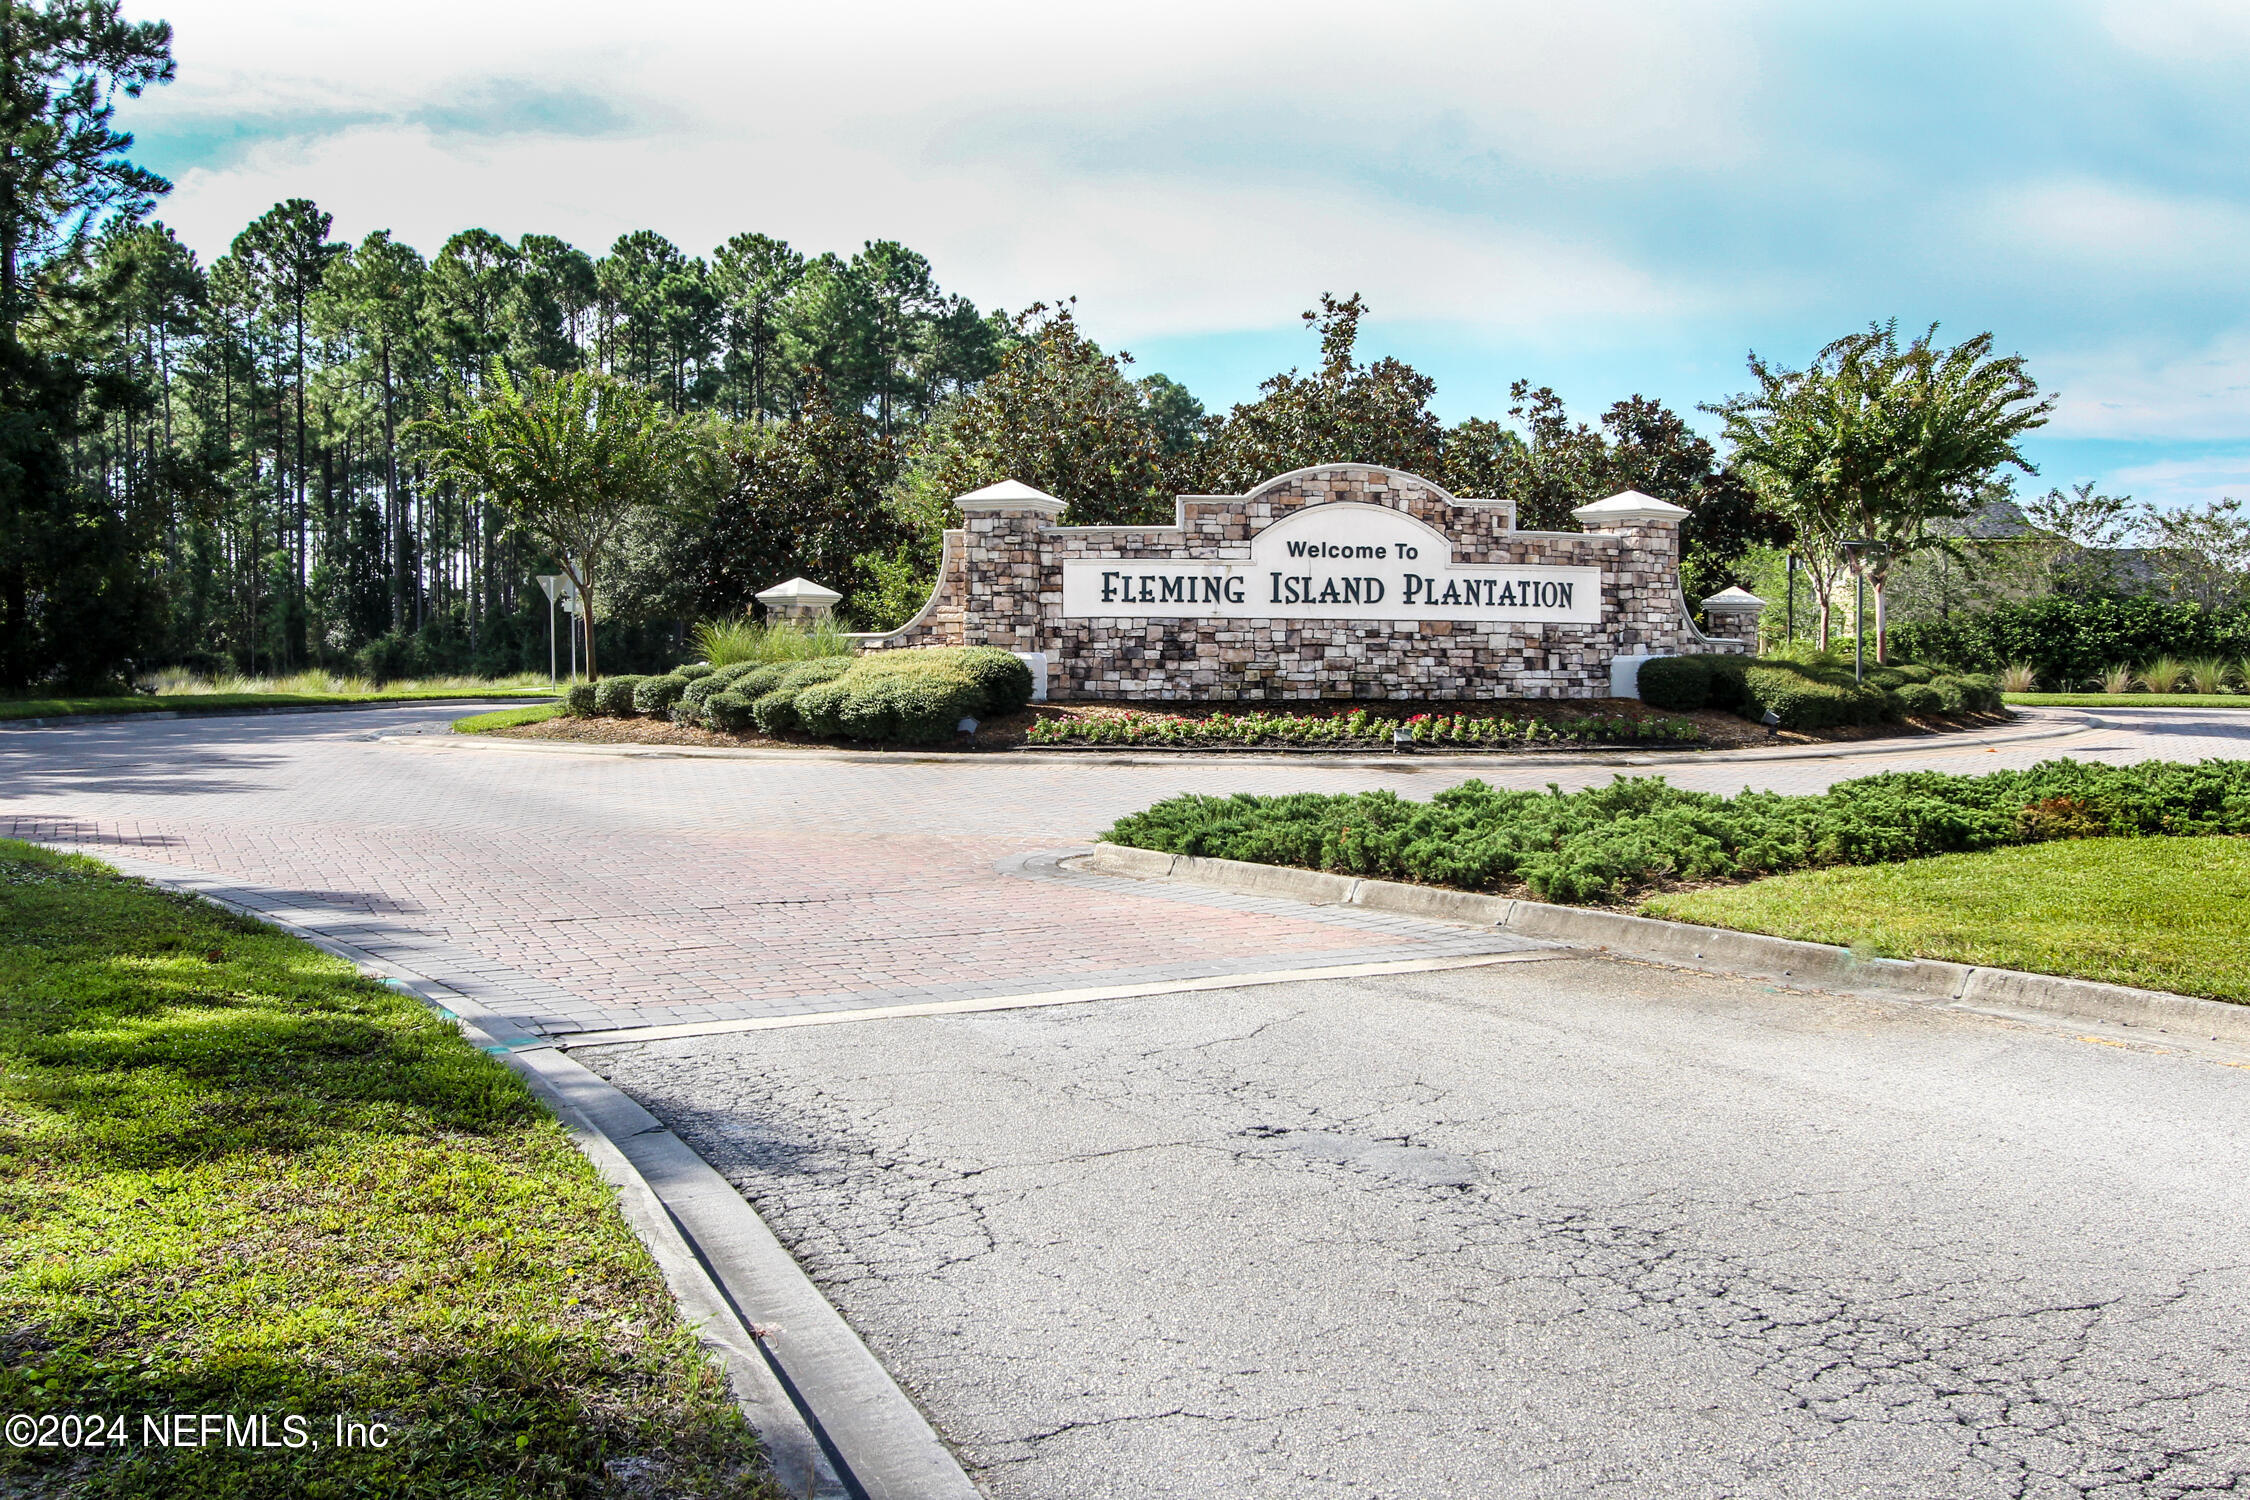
{"points": [[1000, 584]]}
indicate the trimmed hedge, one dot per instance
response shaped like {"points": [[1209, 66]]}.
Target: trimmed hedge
{"points": [[1677, 684], [1810, 694], [1635, 833], [613, 696], [913, 697], [772, 690], [656, 695], [2070, 640], [578, 700]]}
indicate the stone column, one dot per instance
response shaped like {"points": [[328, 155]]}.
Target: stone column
{"points": [[1732, 615], [1005, 564], [1648, 616]]}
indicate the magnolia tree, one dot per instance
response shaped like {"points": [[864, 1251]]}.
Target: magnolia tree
{"points": [[1879, 444], [569, 458]]}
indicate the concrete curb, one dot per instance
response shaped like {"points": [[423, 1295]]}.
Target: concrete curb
{"points": [[833, 1423], [66, 721], [1750, 955], [1389, 761]]}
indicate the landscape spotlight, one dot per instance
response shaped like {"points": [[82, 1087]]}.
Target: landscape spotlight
{"points": [[1401, 737], [1772, 721], [968, 729]]}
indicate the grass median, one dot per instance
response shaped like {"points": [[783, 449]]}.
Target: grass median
{"points": [[2129, 700], [221, 703], [239, 1178], [2160, 913], [507, 718]]}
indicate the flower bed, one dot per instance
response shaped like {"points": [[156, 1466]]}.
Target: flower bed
{"points": [[1358, 728]]}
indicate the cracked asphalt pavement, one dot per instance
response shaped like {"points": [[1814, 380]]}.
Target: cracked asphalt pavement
{"points": [[1576, 1227]]}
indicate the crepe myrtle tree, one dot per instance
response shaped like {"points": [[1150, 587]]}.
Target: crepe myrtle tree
{"points": [[570, 459], [1880, 442]]}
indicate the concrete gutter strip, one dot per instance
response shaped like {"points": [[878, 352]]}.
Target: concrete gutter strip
{"points": [[833, 1423], [1751, 955]]}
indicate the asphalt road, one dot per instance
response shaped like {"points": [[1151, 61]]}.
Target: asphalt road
{"points": [[1554, 1227]]}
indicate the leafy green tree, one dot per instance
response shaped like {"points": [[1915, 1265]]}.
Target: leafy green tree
{"points": [[807, 497], [1059, 415], [1344, 413], [287, 253], [2084, 529], [372, 299], [63, 169], [753, 276], [570, 459], [1877, 443], [551, 305], [76, 599]]}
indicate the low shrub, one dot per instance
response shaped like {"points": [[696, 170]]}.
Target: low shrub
{"points": [[578, 700], [1807, 697], [613, 696], [1002, 676], [899, 697], [691, 709], [729, 712], [654, 696], [772, 691], [694, 670], [1635, 833], [1677, 684], [1920, 700]]}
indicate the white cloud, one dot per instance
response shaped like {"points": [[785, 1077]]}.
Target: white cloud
{"points": [[2200, 394], [2170, 484], [2116, 227], [965, 131], [2179, 31]]}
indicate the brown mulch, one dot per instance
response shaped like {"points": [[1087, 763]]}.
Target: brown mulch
{"points": [[1721, 731]]}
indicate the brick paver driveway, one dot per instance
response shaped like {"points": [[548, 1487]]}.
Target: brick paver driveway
{"points": [[586, 891], [1558, 1228]]}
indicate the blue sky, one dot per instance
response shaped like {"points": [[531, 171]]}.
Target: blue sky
{"points": [[1607, 198]]}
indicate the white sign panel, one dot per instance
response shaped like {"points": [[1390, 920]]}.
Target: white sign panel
{"points": [[1340, 561]]}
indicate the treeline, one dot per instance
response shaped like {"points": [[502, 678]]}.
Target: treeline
{"points": [[256, 428], [238, 465], [252, 423]]}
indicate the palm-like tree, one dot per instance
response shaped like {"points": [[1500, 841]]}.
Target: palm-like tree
{"points": [[569, 458]]}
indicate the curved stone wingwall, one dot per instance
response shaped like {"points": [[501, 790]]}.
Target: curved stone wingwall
{"points": [[1000, 583]]}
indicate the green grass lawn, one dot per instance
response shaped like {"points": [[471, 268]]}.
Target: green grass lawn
{"points": [[236, 1177], [507, 718], [2161, 913], [218, 703], [2130, 700]]}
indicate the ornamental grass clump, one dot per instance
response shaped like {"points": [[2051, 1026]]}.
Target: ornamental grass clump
{"points": [[724, 643], [2164, 674], [2208, 674], [1637, 833]]}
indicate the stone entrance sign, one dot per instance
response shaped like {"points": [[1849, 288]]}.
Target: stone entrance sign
{"points": [[1344, 581], [1342, 561]]}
